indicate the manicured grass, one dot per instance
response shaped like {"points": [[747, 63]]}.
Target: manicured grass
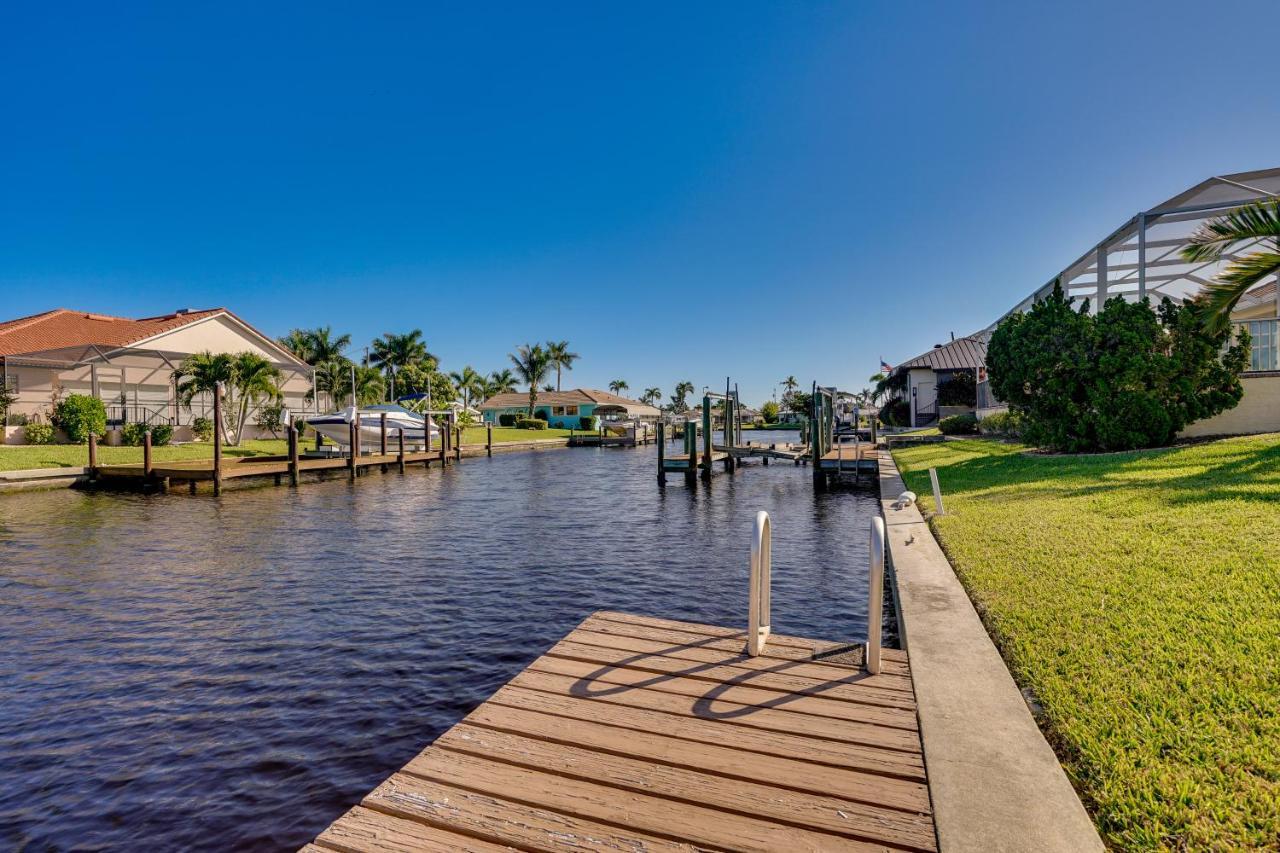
{"points": [[1138, 596], [20, 457], [476, 434]]}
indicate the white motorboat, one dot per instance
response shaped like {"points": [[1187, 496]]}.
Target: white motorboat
{"points": [[337, 426]]}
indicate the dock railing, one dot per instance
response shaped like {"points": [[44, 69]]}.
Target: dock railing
{"points": [[875, 595], [761, 572]]}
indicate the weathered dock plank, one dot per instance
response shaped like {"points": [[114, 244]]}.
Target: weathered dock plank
{"points": [[634, 733]]}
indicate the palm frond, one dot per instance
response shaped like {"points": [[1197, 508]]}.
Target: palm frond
{"points": [[1215, 237], [1218, 299]]}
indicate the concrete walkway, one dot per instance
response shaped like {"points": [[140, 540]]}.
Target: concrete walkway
{"points": [[995, 783]]}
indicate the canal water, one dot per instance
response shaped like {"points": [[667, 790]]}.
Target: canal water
{"points": [[184, 672]]}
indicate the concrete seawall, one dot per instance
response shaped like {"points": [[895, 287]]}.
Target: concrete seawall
{"points": [[995, 783]]}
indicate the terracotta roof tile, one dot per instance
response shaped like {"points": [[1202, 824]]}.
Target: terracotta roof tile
{"points": [[65, 328]]}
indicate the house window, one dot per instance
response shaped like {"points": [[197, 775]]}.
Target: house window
{"points": [[557, 410], [571, 410], [1263, 344]]}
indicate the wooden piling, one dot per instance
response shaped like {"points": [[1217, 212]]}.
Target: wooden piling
{"points": [[146, 454], [217, 439], [662, 452], [457, 450], [488, 439], [93, 456], [352, 430], [293, 455], [707, 438], [382, 447], [691, 441], [445, 438], [400, 454]]}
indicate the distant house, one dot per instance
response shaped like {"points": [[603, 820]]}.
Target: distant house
{"points": [[563, 409], [921, 377], [128, 363]]}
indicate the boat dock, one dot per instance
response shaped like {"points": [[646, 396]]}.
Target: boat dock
{"points": [[636, 733]]}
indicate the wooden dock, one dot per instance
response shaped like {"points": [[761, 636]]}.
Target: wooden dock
{"points": [[634, 733], [852, 458]]}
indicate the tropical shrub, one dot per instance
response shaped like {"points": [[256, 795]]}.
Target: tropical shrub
{"points": [[769, 411], [131, 434], [587, 422], [80, 416], [8, 396], [960, 390], [1003, 424], [16, 419], [271, 418], [1129, 376], [531, 423], [507, 419], [896, 413], [39, 433], [958, 425], [161, 434], [202, 428]]}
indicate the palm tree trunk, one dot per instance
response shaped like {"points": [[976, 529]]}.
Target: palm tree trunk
{"points": [[557, 378]]}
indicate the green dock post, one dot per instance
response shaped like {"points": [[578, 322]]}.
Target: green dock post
{"points": [[691, 445]]}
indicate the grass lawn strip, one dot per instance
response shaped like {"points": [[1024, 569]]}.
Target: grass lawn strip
{"points": [[1138, 596]]}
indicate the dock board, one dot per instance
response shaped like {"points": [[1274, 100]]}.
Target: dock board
{"points": [[634, 733], [680, 461], [851, 457]]}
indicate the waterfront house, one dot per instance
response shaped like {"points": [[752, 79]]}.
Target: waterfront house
{"points": [[1142, 258], [922, 380], [564, 409], [128, 363]]}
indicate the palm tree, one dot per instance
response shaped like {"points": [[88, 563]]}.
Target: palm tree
{"points": [[329, 376], [683, 389], [560, 357], [549, 387], [617, 386], [469, 383], [532, 366], [322, 346], [501, 382], [298, 342], [256, 381], [393, 351], [370, 385], [1254, 223], [651, 396], [247, 379]]}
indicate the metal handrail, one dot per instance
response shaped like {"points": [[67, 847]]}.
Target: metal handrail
{"points": [[761, 578], [875, 595]]}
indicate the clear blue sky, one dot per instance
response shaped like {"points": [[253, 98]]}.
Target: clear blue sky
{"points": [[858, 178]]}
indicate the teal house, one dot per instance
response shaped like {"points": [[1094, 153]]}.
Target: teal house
{"points": [[566, 409]]}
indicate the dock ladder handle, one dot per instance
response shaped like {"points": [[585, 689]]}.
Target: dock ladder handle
{"points": [[761, 571], [875, 595]]}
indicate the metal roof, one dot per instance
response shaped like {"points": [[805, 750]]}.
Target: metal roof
{"points": [[1141, 257], [964, 353]]}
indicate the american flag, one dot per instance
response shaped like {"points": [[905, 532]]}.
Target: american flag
{"points": [[885, 367]]}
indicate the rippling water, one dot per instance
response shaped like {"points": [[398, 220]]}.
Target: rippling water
{"points": [[233, 673]]}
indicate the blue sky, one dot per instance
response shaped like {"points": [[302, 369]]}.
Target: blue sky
{"points": [[683, 191]]}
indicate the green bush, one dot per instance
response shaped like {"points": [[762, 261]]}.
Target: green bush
{"points": [[132, 434], [270, 419], [16, 419], [531, 423], [958, 425], [39, 433], [589, 422], [202, 428], [959, 390], [507, 419], [161, 434], [80, 416], [542, 415], [896, 413], [1127, 377], [769, 412], [1004, 424]]}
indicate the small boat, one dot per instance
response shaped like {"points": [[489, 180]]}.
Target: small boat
{"points": [[337, 426]]}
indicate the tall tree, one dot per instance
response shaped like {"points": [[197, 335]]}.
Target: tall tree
{"points": [[322, 346], [469, 383], [617, 386], [248, 380], [651, 396], [560, 357], [392, 352], [298, 342], [532, 366], [328, 377], [501, 382], [1253, 224], [370, 385], [683, 389], [256, 381]]}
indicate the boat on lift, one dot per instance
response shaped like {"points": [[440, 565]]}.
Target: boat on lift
{"points": [[336, 426]]}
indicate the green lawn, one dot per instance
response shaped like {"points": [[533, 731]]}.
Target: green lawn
{"points": [[21, 457], [1138, 596]]}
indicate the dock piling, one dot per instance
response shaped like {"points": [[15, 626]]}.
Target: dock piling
{"points": [[400, 448], [662, 452], [146, 454], [488, 439], [217, 439], [352, 430], [707, 437], [93, 456], [293, 455], [691, 444], [875, 595], [382, 446]]}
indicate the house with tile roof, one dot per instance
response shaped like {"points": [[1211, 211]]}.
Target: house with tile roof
{"points": [[564, 409], [128, 363]]}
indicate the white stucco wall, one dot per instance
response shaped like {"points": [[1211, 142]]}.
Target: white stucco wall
{"points": [[1258, 411]]}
